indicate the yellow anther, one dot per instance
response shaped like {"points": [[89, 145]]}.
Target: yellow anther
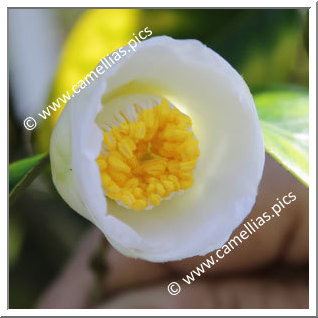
{"points": [[174, 166], [116, 163], [186, 183], [119, 177], [140, 130], [147, 116], [188, 165], [173, 134], [185, 174], [160, 189], [190, 149], [124, 128], [128, 199], [139, 205], [109, 140], [154, 167], [132, 183], [169, 186], [184, 122], [173, 115], [113, 188], [163, 112], [142, 149], [152, 180], [106, 180], [101, 163], [138, 193], [117, 134], [114, 196], [151, 188], [172, 178], [155, 199], [170, 146], [175, 182], [146, 160], [127, 147]]}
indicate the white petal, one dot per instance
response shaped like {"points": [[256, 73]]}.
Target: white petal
{"points": [[204, 86], [75, 143]]}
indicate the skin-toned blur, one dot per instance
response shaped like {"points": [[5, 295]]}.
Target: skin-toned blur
{"points": [[268, 270], [57, 259]]}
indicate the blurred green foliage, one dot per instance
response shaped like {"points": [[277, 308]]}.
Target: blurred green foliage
{"points": [[262, 45], [265, 46], [284, 116], [23, 172]]}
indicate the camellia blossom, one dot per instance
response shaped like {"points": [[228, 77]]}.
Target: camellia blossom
{"points": [[163, 152]]}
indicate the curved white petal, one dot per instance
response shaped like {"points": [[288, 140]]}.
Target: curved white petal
{"points": [[203, 85]]}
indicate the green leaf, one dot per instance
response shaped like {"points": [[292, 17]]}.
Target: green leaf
{"points": [[23, 172], [283, 113]]}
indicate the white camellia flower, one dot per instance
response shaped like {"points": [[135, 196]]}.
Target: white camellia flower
{"points": [[163, 152]]}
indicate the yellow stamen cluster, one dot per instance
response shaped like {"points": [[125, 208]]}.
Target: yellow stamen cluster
{"points": [[145, 161]]}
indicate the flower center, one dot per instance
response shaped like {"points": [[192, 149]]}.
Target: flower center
{"points": [[149, 159]]}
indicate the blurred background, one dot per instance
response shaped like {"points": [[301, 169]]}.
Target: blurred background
{"points": [[51, 49]]}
